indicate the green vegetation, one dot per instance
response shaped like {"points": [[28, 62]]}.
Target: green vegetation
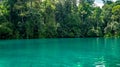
{"points": [[25, 19]]}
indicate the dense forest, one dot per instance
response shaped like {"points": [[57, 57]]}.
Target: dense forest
{"points": [[26, 19]]}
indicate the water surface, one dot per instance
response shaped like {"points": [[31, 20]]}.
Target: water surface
{"points": [[79, 52]]}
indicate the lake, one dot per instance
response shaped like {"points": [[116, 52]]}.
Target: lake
{"points": [[67, 52]]}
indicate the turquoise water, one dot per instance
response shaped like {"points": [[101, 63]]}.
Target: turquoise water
{"points": [[81, 52]]}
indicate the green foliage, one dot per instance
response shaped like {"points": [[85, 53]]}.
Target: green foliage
{"points": [[112, 29], [5, 31], [23, 19], [116, 13], [94, 32]]}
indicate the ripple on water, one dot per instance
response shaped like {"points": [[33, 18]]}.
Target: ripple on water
{"points": [[102, 65]]}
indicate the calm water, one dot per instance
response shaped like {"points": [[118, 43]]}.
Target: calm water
{"points": [[83, 52]]}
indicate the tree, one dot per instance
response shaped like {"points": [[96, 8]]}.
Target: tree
{"points": [[96, 23], [85, 11], [5, 31], [49, 19], [116, 13], [112, 29]]}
